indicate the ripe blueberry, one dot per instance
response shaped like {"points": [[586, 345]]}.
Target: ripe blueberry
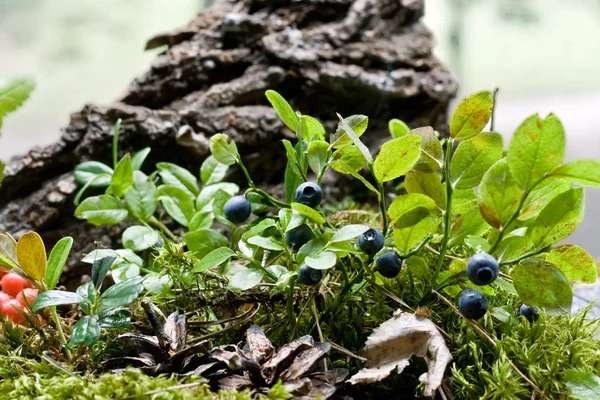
{"points": [[309, 276], [388, 264], [310, 194], [482, 269], [530, 313], [237, 209], [298, 236], [371, 241], [472, 303]]}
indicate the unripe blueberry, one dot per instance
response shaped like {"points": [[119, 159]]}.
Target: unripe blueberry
{"points": [[482, 269], [530, 313], [237, 209], [472, 303], [371, 241], [309, 276], [309, 193], [298, 236], [388, 264]]}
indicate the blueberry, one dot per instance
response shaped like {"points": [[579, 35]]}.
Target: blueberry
{"points": [[530, 313], [388, 264], [371, 241], [237, 209], [309, 276], [310, 194], [298, 236], [482, 269], [472, 303]]}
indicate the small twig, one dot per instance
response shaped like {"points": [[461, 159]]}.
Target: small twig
{"points": [[493, 343], [220, 321], [314, 308], [434, 251], [347, 352], [46, 356], [505, 277], [389, 294], [229, 328]]}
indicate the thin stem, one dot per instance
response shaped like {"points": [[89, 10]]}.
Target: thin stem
{"points": [[344, 273], [270, 198], [382, 206], [259, 266], [115, 143], [290, 306], [314, 307], [158, 224], [522, 257], [389, 294], [447, 212], [61, 333], [492, 124], [248, 178]]}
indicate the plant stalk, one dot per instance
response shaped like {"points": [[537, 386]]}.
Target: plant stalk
{"points": [[158, 224], [61, 333]]}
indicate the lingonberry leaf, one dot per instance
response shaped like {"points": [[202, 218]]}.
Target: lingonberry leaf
{"points": [[178, 203], [100, 210], [473, 158], [100, 268], [471, 115], [214, 259], [86, 172], [142, 197], [86, 331], [122, 178], [55, 298], [174, 175], [120, 294], [139, 157], [31, 254], [203, 241], [138, 238], [117, 318], [56, 261]]}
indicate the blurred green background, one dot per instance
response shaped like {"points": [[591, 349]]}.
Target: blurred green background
{"points": [[544, 55]]}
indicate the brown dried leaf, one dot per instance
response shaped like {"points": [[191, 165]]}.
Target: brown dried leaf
{"points": [[260, 347], [394, 342], [272, 368], [306, 361], [175, 329]]}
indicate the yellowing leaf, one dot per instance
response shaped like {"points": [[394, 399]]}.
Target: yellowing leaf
{"points": [[471, 115], [31, 255], [397, 157]]}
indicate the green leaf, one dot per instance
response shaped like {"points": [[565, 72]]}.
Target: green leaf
{"points": [[427, 183], [357, 125], [513, 247], [471, 115], [580, 172], [318, 155], [348, 132], [214, 259], [323, 260], [87, 171], [404, 204], [311, 128], [142, 197], [201, 220], [284, 110], [178, 203], [309, 213], [86, 331], [418, 266], [498, 195], [88, 292], [351, 157], [505, 286], [204, 241], [559, 218], [120, 294], [174, 175], [100, 268], [31, 254], [473, 158], [122, 178], [537, 148], [56, 261], [349, 232], [574, 262], [432, 155], [268, 243], [205, 198], [413, 227], [244, 279], [100, 210], [212, 171], [541, 284], [118, 318], [292, 180], [223, 150], [397, 157], [344, 168], [477, 243], [55, 298], [13, 94], [539, 197], [582, 384], [397, 128], [470, 223], [138, 158], [218, 207], [138, 238], [463, 200], [259, 228], [157, 283], [8, 251]]}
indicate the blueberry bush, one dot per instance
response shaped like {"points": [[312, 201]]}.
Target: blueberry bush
{"points": [[461, 230]]}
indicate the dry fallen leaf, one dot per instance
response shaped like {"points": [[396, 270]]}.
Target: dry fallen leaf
{"points": [[394, 342]]}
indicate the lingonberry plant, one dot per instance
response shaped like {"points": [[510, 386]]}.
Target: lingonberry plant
{"points": [[471, 237]]}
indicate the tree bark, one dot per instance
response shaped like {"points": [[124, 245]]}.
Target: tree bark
{"points": [[371, 57]]}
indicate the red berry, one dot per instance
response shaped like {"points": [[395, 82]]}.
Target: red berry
{"points": [[29, 294], [4, 298], [9, 310], [13, 283]]}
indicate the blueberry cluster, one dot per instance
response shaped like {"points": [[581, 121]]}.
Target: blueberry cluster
{"points": [[482, 269]]}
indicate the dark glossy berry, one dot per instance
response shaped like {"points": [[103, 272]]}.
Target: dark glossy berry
{"points": [[472, 303], [371, 241], [482, 269], [388, 264], [298, 236], [310, 194], [309, 276], [530, 313], [237, 209]]}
